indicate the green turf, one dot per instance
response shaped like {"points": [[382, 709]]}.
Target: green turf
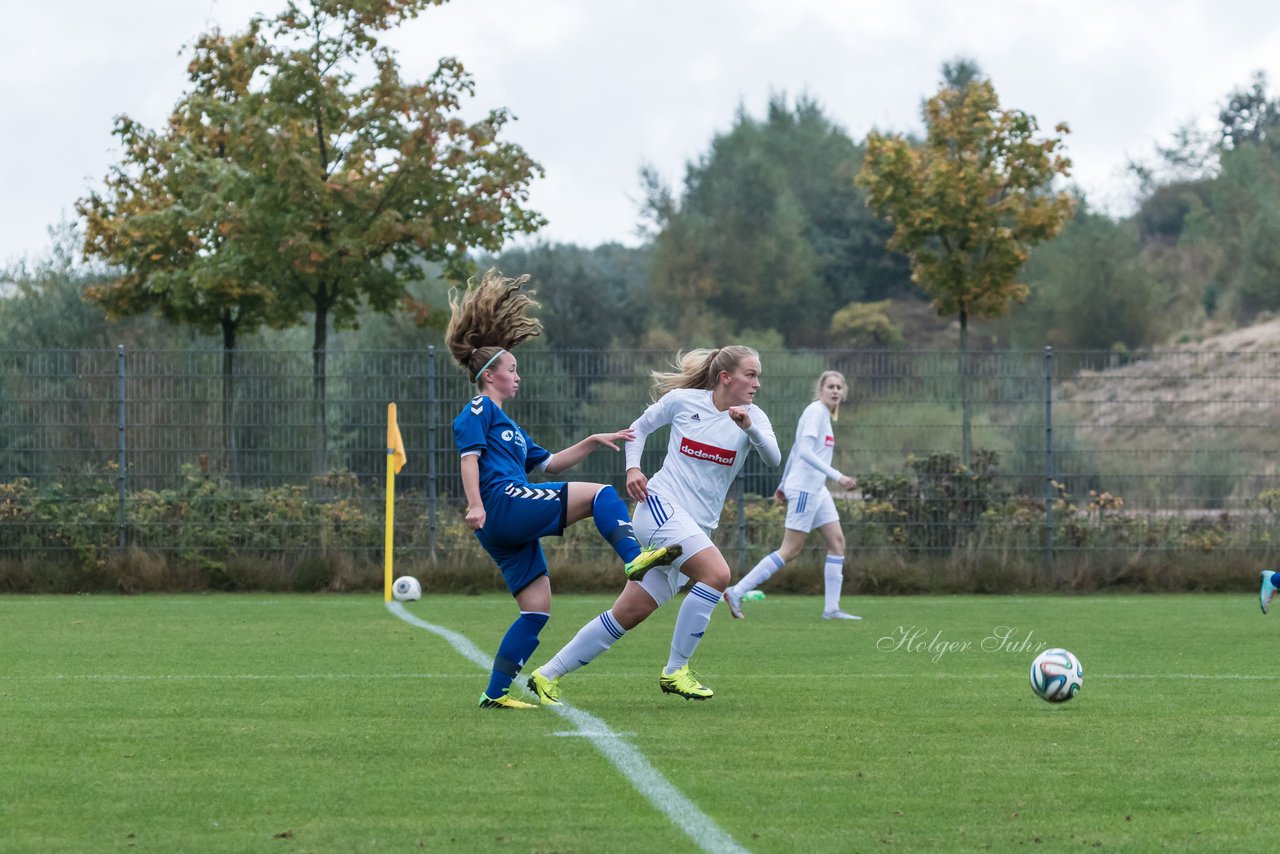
{"points": [[324, 723]]}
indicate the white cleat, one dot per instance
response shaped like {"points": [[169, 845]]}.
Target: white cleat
{"points": [[839, 615], [734, 601]]}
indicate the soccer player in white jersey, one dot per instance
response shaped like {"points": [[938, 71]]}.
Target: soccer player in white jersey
{"points": [[709, 403], [809, 502]]}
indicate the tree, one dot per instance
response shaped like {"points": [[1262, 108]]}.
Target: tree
{"points": [[1244, 229], [1249, 114], [591, 298], [169, 220], [52, 338], [770, 230], [865, 324], [1090, 289], [1189, 158], [41, 305], [300, 174], [967, 204]]}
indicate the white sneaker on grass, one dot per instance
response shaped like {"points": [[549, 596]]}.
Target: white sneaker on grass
{"points": [[839, 615]]}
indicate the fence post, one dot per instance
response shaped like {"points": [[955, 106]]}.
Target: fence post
{"points": [[431, 450], [1049, 492], [121, 461], [740, 495]]}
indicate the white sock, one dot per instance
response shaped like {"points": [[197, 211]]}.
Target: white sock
{"points": [[833, 575], [691, 624], [587, 645], [759, 574]]}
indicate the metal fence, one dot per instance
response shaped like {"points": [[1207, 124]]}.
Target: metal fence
{"points": [[1069, 453]]}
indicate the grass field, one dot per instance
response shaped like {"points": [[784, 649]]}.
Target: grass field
{"points": [[327, 723]]}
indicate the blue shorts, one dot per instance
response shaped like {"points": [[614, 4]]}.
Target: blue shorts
{"points": [[515, 518]]}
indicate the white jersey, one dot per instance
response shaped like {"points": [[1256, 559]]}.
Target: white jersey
{"points": [[813, 433], [704, 454]]}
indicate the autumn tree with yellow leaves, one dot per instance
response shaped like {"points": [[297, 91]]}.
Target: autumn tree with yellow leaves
{"points": [[968, 203]]}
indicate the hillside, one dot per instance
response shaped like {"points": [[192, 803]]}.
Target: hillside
{"points": [[1196, 419], [1194, 382]]}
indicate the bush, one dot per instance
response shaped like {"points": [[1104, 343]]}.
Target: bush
{"points": [[937, 527]]}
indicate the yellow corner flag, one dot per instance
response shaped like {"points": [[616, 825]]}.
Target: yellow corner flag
{"points": [[396, 458], [395, 444]]}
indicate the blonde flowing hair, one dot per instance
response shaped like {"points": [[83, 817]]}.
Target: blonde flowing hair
{"points": [[487, 318], [844, 394], [700, 368]]}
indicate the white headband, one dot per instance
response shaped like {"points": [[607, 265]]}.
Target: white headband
{"points": [[487, 364]]}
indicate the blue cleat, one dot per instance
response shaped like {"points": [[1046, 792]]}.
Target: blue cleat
{"points": [[1268, 589]]}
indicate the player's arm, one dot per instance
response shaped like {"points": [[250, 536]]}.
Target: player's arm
{"points": [[651, 419], [469, 465], [759, 431], [574, 454], [810, 456]]}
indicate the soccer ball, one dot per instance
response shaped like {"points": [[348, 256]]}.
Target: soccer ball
{"points": [[406, 589], [1056, 675]]}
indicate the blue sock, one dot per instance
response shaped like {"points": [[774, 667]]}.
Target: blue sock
{"points": [[517, 645], [614, 523]]}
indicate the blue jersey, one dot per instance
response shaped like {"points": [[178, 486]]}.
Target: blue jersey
{"points": [[507, 454]]}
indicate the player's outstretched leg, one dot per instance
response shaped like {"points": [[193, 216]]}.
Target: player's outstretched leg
{"points": [[592, 640], [759, 574], [614, 524], [648, 559]]}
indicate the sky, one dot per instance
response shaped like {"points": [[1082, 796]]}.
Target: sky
{"points": [[600, 88]]}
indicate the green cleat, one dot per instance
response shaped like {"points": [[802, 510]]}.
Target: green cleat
{"points": [[648, 559], [504, 702], [546, 690], [685, 684]]}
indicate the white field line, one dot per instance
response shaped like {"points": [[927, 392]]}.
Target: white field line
{"points": [[221, 677], [665, 797], [772, 677]]}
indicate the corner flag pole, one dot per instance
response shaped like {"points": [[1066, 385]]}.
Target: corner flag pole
{"points": [[395, 461]]}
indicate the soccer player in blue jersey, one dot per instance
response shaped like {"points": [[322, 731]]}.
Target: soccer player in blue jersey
{"points": [[507, 513]]}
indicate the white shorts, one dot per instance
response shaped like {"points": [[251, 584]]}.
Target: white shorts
{"points": [[661, 523], [809, 510]]}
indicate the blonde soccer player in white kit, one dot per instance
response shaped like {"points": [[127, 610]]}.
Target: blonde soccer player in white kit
{"points": [[809, 502], [709, 403]]}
